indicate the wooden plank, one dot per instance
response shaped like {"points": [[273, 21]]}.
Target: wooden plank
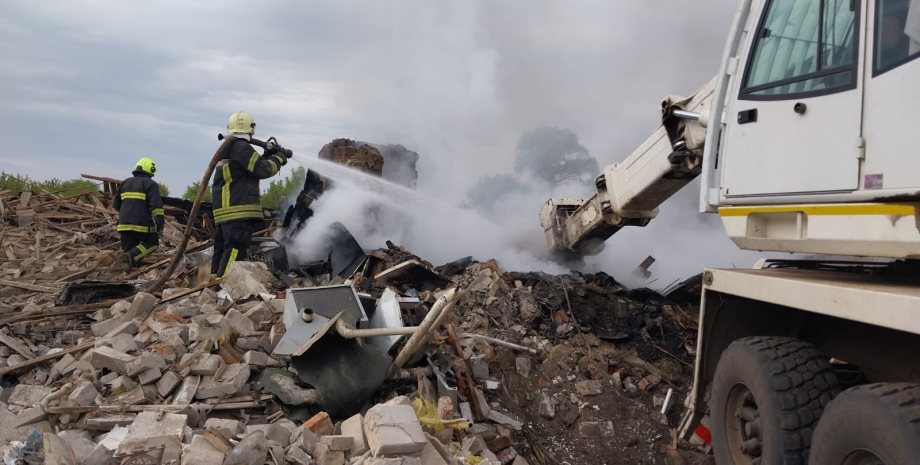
{"points": [[19, 347], [28, 287], [45, 358], [464, 378], [191, 291]]}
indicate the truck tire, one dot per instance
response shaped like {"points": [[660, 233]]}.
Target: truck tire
{"points": [[767, 396], [870, 424]]}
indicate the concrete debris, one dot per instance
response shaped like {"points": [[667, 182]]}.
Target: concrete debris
{"points": [[525, 367], [251, 450], [393, 430]]}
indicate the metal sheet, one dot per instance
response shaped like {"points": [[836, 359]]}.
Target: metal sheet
{"points": [[346, 374], [387, 315]]}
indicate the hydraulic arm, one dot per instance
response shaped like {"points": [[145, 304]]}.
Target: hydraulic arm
{"points": [[629, 193]]}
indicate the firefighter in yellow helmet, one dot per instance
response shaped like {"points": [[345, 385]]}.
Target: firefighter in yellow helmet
{"points": [[140, 213], [235, 193]]}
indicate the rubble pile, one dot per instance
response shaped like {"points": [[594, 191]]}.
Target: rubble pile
{"points": [[377, 358]]}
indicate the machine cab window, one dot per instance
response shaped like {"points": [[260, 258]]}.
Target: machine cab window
{"points": [[803, 47], [897, 33]]}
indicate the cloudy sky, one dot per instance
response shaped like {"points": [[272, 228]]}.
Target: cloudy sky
{"points": [[91, 86]]}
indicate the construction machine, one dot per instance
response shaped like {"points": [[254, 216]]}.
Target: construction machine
{"points": [[804, 143]]}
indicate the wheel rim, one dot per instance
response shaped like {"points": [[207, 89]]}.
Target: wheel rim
{"points": [[744, 430], [862, 457]]}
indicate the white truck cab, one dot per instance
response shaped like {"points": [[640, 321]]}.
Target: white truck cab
{"points": [[807, 142]]}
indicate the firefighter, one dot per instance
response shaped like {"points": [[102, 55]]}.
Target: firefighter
{"points": [[235, 193], [140, 213]]}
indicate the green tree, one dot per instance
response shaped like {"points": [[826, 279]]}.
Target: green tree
{"points": [[192, 190], [164, 190], [290, 185], [20, 183]]}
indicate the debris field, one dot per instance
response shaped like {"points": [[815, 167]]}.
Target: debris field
{"points": [[366, 357]]}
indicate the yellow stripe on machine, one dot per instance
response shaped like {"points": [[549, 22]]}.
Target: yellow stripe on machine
{"points": [[858, 209]]}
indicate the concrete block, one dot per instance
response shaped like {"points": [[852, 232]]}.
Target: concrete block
{"points": [[226, 382], [81, 446], [227, 428], [128, 327], [239, 323], [123, 342], [186, 391], [206, 296], [474, 445], [337, 442], [393, 430], [297, 456], [257, 359], [25, 395], [151, 426], [261, 312], [322, 455], [273, 432], [247, 279], [304, 438], [144, 362], [198, 332], [100, 454], [589, 388], [84, 395], [183, 311], [150, 376], [202, 456], [142, 304], [252, 450], [27, 417], [110, 359], [105, 326], [248, 343], [320, 424], [431, 455], [480, 367], [205, 364], [119, 308], [523, 365], [168, 381], [503, 419], [354, 428], [120, 384], [547, 408], [201, 442], [61, 364]]}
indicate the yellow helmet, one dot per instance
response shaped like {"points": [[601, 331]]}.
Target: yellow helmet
{"points": [[241, 123], [146, 165]]}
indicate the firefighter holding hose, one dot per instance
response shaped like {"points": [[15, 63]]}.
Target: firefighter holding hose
{"points": [[235, 192]]}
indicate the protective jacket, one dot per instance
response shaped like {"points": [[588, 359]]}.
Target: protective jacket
{"points": [[235, 187], [140, 208]]}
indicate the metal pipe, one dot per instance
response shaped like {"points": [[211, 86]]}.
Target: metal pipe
{"points": [[684, 114], [350, 332], [422, 331], [500, 342]]}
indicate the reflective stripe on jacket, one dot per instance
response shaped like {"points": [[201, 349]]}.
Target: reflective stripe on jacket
{"points": [[140, 208], [235, 187]]}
